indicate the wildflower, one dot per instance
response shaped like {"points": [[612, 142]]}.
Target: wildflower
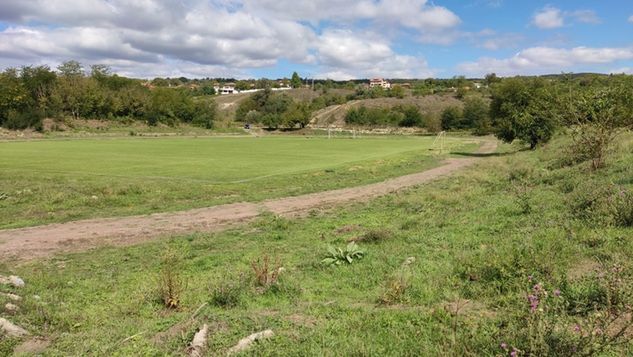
{"points": [[598, 332], [577, 328], [557, 293], [534, 302], [530, 278], [504, 346], [514, 352]]}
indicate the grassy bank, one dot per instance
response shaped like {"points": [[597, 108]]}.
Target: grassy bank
{"points": [[486, 242], [60, 180]]}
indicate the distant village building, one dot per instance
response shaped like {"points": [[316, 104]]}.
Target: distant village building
{"points": [[226, 88], [379, 82]]}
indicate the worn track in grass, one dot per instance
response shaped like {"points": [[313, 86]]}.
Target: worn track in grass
{"points": [[45, 241]]}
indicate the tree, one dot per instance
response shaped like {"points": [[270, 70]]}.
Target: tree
{"points": [[525, 109], [41, 83], [451, 118], [14, 96], [71, 69], [477, 115], [412, 116], [295, 81], [297, 113], [491, 78]]}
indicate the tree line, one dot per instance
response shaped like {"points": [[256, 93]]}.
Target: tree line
{"points": [[533, 109], [31, 93]]}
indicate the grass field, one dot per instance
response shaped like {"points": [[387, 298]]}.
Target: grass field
{"points": [[483, 241], [60, 180]]}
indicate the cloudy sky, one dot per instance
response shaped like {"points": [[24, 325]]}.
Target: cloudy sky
{"points": [[338, 39]]}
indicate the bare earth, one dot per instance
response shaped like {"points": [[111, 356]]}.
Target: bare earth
{"points": [[45, 241]]}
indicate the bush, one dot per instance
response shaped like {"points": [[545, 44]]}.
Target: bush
{"points": [[396, 288], [590, 142], [24, 119], [266, 272], [170, 284], [477, 115], [452, 118]]}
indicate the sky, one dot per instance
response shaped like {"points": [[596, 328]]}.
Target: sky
{"points": [[336, 39]]}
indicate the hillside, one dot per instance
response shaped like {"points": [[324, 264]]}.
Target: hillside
{"points": [[429, 105]]}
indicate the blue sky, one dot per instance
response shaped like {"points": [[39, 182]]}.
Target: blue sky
{"points": [[321, 38]]}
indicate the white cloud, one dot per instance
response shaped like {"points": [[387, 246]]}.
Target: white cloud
{"points": [[585, 16], [548, 18], [415, 14], [344, 54], [631, 19], [551, 17], [165, 37], [168, 33], [539, 60]]}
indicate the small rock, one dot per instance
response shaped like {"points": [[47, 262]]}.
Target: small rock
{"points": [[11, 308], [246, 342], [16, 281], [12, 330], [12, 297]]}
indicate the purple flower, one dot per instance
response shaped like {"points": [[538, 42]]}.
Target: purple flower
{"points": [[504, 346], [514, 352], [577, 328], [557, 293], [534, 302]]}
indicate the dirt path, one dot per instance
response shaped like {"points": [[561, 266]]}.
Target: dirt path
{"points": [[45, 241]]}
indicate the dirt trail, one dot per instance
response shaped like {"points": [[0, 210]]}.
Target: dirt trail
{"points": [[45, 241]]}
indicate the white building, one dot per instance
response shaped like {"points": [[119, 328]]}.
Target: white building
{"points": [[379, 82], [226, 88]]}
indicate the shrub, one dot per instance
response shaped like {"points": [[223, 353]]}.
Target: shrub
{"points": [[452, 118], [27, 118], [338, 256], [170, 284], [590, 142], [396, 287], [265, 271]]}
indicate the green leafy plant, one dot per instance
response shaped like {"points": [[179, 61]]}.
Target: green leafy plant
{"points": [[338, 256]]}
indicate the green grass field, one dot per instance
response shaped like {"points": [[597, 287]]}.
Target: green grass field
{"points": [[482, 241], [60, 180]]}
